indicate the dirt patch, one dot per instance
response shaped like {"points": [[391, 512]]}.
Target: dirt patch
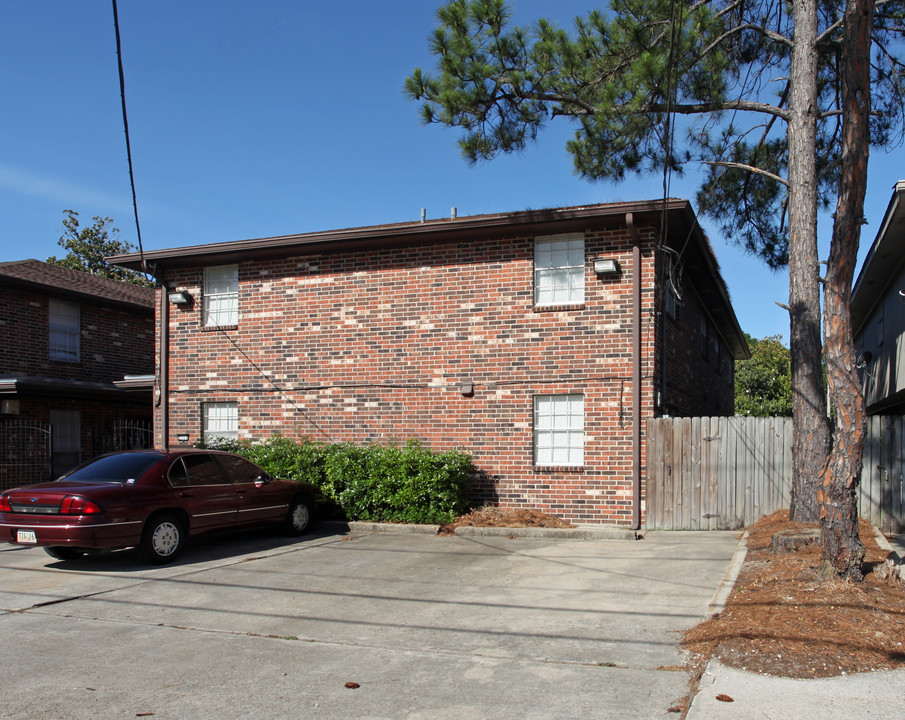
{"points": [[497, 517], [781, 619]]}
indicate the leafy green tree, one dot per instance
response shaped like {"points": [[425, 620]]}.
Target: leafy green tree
{"points": [[781, 103], [763, 383], [86, 248]]}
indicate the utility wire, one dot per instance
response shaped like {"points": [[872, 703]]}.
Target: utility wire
{"points": [[122, 93], [669, 131]]}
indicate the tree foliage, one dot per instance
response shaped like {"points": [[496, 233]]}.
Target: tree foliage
{"points": [[763, 383], [87, 247], [623, 74]]}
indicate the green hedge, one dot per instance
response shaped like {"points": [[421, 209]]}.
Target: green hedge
{"points": [[379, 483]]}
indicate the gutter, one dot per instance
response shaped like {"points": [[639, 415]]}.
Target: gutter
{"points": [[397, 235], [636, 371], [163, 401]]}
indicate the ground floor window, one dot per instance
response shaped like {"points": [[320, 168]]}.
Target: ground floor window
{"points": [[559, 430], [221, 421]]}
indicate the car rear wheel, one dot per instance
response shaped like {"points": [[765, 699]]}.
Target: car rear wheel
{"points": [[162, 539], [64, 553], [299, 517]]}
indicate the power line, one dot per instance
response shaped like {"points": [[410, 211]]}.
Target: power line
{"points": [[122, 93]]}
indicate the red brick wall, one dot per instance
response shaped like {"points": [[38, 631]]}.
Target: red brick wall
{"points": [[114, 341], [373, 346]]}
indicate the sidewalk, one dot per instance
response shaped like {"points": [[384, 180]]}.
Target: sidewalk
{"points": [[756, 697]]}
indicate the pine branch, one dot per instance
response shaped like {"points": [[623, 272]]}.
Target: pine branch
{"points": [[749, 168]]}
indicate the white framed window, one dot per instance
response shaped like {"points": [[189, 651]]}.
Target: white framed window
{"points": [[221, 295], [559, 270], [559, 430], [220, 421], [65, 330]]}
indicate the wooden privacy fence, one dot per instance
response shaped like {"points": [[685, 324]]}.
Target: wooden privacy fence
{"points": [[724, 473]]}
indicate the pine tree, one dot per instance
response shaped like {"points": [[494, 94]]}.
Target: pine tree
{"points": [[779, 101]]}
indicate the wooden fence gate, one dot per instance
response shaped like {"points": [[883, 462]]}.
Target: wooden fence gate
{"points": [[724, 473]]}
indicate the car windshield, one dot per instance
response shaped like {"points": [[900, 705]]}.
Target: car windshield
{"points": [[120, 468]]}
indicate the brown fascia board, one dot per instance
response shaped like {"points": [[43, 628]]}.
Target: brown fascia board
{"points": [[400, 234], [683, 225], [883, 260]]}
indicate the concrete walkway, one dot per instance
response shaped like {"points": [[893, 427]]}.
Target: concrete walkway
{"points": [[424, 626]]}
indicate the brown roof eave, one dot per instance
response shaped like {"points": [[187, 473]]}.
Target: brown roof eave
{"points": [[382, 236], [63, 292]]}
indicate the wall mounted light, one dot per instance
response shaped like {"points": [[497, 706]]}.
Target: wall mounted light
{"points": [[466, 387], [605, 267], [180, 297]]}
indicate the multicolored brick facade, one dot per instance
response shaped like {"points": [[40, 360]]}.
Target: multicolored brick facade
{"points": [[438, 338]]}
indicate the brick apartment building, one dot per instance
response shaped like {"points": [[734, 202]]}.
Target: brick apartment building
{"points": [[539, 341], [68, 341]]}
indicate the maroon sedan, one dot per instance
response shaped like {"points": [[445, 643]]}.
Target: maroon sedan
{"points": [[152, 500]]}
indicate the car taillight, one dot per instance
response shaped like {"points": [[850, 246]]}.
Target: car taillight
{"points": [[75, 505], [4, 504]]}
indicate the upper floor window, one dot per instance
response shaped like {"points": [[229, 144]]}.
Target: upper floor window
{"points": [[221, 295], [559, 270], [559, 430], [65, 330]]}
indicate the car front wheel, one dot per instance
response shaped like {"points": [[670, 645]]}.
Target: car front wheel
{"points": [[162, 539], [299, 517]]}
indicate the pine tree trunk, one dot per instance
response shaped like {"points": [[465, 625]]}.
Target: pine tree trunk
{"points": [[810, 426], [842, 550]]}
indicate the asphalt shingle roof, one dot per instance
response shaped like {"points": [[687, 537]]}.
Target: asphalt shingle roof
{"points": [[37, 274]]}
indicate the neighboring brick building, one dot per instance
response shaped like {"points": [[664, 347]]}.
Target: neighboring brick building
{"points": [[68, 339], [510, 336]]}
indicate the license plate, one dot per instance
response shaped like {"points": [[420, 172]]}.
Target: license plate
{"points": [[26, 536]]}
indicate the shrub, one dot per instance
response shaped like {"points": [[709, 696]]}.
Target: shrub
{"points": [[379, 483]]}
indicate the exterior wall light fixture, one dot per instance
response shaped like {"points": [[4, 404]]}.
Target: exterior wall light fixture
{"points": [[180, 297], [605, 267]]}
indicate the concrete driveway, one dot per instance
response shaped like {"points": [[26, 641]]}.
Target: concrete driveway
{"points": [[425, 626]]}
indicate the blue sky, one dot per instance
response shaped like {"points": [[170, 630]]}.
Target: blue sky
{"points": [[253, 119]]}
